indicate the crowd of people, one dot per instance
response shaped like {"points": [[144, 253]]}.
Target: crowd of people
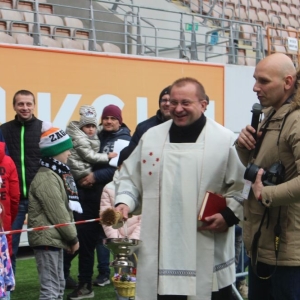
{"points": [[171, 161]]}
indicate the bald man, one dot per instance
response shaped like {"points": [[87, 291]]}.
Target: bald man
{"points": [[274, 200]]}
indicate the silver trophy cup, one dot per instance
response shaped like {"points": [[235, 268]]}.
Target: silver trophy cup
{"points": [[121, 249]]}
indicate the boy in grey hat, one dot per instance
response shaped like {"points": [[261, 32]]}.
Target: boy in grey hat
{"points": [[86, 143]]}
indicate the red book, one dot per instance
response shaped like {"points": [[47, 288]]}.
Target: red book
{"points": [[212, 204]]}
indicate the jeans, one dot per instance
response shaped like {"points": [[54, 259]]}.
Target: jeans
{"points": [[67, 262], [238, 240], [242, 264], [242, 260], [284, 284], [103, 259], [88, 235], [18, 224]]}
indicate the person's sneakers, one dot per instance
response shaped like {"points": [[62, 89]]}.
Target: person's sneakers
{"points": [[101, 280], [84, 291], [242, 287], [71, 284]]}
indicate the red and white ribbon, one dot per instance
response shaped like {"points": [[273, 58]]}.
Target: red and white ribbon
{"points": [[49, 226]]}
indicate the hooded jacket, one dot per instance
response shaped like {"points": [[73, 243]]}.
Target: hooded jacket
{"points": [[49, 205], [108, 138], [280, 144], [9, 191]]}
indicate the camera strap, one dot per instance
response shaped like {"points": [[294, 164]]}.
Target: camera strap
{"points": [[254, 245], [277, 227]]}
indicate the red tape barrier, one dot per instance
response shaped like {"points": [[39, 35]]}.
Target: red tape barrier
{"points": [[49, 226]]}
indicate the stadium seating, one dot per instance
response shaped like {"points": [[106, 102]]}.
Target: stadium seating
{"points": [[64, 36], [256, 3], [45, 8], [241, 13], [246, 34], [8, 3], [236, 2], [108, 47], [205, 7], [250, 61], [55, 31], [29, 18], [24, 5], [195, 6], [275, 7], [5, 38], [53, 21], [253, 14], [285, 8], [9, 15], [67, 31], [8, 39], [20, 31], [217, 13], [296, 2], [293, 21], [47, 40], [294, 10], [83, 37], [278, 47], [263, 17], [241, 57]]}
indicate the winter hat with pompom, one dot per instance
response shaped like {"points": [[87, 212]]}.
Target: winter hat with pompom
{"points": [[53, 140]]}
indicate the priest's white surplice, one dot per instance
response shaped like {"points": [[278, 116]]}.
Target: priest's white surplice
{"points": [[199, 262]]}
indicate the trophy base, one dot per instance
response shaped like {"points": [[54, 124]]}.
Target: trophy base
{"points": [[120, 263]]}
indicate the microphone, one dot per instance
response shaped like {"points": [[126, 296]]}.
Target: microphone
{"points": [[256, 112]]}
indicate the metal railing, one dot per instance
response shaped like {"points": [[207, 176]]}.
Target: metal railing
{"points": [[284, 41], [149, 31]]}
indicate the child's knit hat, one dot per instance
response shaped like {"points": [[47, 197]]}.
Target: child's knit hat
{"points": [[53, 140], [88, 115]]}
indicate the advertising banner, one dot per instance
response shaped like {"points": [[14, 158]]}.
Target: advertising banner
{"points": [[64, 80]]}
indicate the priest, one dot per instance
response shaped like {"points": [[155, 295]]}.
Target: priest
{"points": [[165, 179]]}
